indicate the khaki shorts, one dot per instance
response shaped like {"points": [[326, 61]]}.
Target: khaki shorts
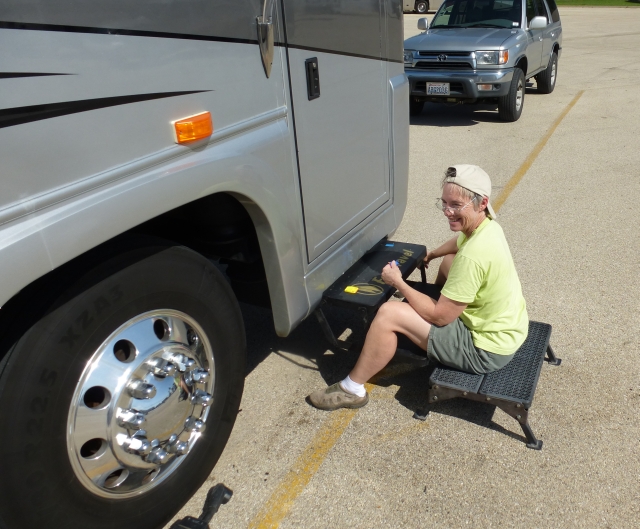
{"points": [[452, 345]]}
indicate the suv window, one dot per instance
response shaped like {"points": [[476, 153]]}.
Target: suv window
{"points": [[478, 13], [553, 9], [531, 11], [541, 9]]}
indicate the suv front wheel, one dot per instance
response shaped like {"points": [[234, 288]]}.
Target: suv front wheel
{"points": [[510, 106]]}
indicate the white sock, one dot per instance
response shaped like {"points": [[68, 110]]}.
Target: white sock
{"points": [[353, 387]]}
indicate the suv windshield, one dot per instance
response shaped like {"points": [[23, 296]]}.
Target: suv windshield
{"points": [[478, 14]]}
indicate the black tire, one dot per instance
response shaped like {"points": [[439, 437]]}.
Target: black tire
{"points": [[510, 106], [421, 6], [547, 79], [415, 107], [66, 319]]}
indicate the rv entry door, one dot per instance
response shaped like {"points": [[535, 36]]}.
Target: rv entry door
{"points": [[340, 106]]}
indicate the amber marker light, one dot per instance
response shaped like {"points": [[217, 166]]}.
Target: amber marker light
{"points": [[193, 128]]}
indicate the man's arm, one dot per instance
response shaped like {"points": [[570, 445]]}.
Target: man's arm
{"points": [[449, 247], [441, 312]]}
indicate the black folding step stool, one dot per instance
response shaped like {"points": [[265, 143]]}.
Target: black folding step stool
{"points": [[511, 388]]}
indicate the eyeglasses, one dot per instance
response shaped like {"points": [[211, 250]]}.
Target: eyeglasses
{"points": [[452, 209]]}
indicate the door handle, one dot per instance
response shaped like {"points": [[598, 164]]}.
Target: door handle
{"points": [[313, 78], [265, 35]]}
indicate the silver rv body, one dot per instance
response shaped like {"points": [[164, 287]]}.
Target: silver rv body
{"points": [[88, 155]]}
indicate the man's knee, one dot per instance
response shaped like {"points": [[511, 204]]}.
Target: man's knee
{"points": [[392, 312]]}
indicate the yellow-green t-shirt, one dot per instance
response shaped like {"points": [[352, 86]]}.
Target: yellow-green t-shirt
{"points": [[483, 276]]}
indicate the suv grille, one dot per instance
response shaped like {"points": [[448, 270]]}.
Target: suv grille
{"points": [[449, 60], [447, 53], [446, 65]]}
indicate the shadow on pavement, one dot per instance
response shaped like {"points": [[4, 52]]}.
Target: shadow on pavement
{"points": [[307, 341], [455, 115], [412, 394]]}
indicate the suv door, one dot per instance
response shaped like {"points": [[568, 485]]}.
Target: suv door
{"points": [[551, 33], [534, 36]]}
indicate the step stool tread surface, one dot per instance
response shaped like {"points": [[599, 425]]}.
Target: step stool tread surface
{"points": [[452, 378], [517, 381]]}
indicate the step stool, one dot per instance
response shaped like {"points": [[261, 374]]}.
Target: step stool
{"points": [[511, 388]]}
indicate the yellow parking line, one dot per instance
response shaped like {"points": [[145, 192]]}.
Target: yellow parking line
{"points": [[283, 498], [305, 467], [526, 165]]}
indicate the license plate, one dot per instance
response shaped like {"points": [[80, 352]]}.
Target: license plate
{"points": [[438, 89]]}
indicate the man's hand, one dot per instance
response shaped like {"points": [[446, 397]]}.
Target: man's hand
{"points": [[391, 274], [428, 258]]}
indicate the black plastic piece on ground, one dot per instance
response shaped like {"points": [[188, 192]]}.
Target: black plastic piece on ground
{"points": [[190, 523], [217, 495]]}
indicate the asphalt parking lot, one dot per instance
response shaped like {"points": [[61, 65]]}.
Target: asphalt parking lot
{"points": [[571, 222]]}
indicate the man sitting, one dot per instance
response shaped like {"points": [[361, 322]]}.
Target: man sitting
{"points": [[480, 319]]}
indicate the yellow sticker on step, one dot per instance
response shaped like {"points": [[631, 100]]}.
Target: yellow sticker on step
{"points": [[351, 290]]}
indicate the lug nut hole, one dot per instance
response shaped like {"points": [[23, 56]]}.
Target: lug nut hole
{"points": [[115, 479], [124, 351], [150, 476], [97, 397], [93, 448], [161, 329]]}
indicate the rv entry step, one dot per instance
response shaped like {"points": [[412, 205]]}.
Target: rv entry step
{"points": [[362, 289]]}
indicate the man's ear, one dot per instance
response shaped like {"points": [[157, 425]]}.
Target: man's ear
{"points": [[483, 204]]}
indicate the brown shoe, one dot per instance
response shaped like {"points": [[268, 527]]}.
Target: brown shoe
{"points": [[335, 397]]}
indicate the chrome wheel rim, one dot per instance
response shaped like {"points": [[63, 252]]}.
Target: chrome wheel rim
{"points": [[519, 95], [553, 72], [141, 404]]}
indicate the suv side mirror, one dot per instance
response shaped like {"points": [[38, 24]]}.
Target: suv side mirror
{"points": [[538, 23], [423, 24]]}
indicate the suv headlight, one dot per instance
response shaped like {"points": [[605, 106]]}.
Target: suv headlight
{"points": [[492, 57], [408, 56]]}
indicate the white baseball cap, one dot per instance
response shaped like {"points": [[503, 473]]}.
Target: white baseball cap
{"points": [[474, 179]]}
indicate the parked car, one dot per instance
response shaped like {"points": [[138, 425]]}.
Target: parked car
{"points": [[484, 51], [420, 6]]}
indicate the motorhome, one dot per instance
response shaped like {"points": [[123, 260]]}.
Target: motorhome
{"points": [[161, 160]]}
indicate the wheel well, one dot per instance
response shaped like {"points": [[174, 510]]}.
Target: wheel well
{"points": [[556, 48], [522, 64], [217, 226]]}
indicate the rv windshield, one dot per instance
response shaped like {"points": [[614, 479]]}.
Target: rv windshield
{"points": [[478, 14]]}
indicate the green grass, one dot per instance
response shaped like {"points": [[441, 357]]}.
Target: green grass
{"points": [[625, 3]]}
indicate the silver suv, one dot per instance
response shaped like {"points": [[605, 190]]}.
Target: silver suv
{"points": [[484, 51]]}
